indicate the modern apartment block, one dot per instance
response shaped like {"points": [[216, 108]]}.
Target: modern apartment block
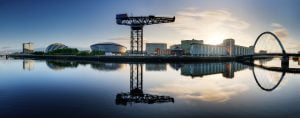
{"points": [[28, 48]]}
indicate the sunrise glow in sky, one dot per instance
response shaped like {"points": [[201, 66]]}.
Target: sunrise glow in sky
{"points": [[80, 23]]}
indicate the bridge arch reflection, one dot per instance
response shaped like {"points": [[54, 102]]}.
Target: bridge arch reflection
{"points": [[271, 88], [283, 69]]}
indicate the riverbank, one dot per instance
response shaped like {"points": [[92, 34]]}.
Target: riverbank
{"points": [[125, 58]]}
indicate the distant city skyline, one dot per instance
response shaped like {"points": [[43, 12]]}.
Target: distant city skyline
{"points": [[80, 23]]}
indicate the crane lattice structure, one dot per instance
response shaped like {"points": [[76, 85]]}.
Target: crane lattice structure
{"points": [[137, 23]]}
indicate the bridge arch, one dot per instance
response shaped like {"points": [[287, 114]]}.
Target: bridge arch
{"points": [[277, 39]]}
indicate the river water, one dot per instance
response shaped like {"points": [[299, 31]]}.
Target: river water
{"points": [[32, 88]]}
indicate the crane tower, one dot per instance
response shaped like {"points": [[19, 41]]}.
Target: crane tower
{"points": [[137, 23]]}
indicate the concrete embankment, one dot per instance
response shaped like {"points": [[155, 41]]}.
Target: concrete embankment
{"points": [[125, 58]]}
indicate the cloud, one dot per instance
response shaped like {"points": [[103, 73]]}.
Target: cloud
{"points": [[281, 32], [4, 48], [192, 23], [206, 90], [276, 25], [290, 44]]}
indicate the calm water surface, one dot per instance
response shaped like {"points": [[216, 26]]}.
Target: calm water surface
{"points": [[42, 89]]}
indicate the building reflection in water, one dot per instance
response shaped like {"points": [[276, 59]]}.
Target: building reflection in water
{"points": [[107, 66], [201, 69], [264, 61], [28, 65], [156, 67], [60, 65], [296, 59], [136, 94], [176, 66]]}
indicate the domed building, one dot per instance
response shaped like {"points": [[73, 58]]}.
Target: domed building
{"points": [[55, 46], [109, 47]]}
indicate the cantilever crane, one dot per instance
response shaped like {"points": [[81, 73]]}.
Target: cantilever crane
{"points": [[137, 23]]}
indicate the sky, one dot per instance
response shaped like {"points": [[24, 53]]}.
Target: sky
{"points": [[80, 23]]}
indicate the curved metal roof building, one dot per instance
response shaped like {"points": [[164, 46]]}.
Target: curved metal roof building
{"points": [[109, 47], [55, 46]]}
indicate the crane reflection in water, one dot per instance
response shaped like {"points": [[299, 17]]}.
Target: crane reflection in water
{"points": [[136, 94]]}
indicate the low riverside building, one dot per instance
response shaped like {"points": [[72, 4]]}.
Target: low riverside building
{"points": [[176, 50], [156, 48], [262, 52], [175, 46], [227, 48], [187, 44], [163, 52]]}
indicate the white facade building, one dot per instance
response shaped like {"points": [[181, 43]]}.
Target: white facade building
{"points": [[207, 50], [227, 48]]}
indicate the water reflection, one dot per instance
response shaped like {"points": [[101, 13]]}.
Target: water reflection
{"points": [[201, 69], [60, 65], [267, 77], [176, 66], [283, 70], [209, 90], [101, 66], [260, 69], [136, 94], [156, 67], [264, 61], [279, 78], [28, 65], [297, 59], [272, 70], [91, 90]]}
